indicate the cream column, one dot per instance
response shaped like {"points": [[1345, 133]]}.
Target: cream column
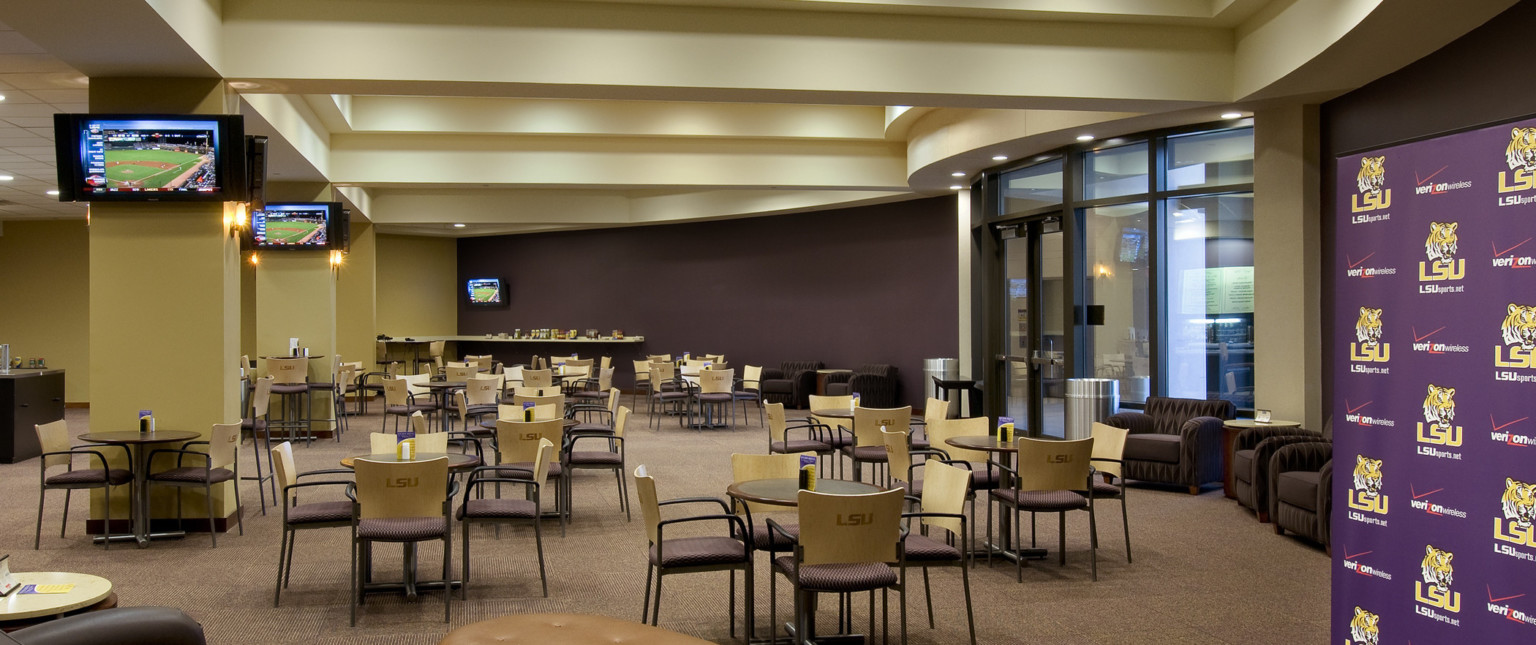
{"points": [[963, 252], [296, 298], [1288, 264], [357, 298], [164, 300]]}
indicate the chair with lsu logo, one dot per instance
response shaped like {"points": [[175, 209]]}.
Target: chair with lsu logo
{"points": [[53, 438], [674, 555], [401, 502], [868, 445], [610, 459], [517, 447], [194, 469], [942, 506], [501, 511], [846, 544], [1052, 477], [1300, 485], [306, 516]]}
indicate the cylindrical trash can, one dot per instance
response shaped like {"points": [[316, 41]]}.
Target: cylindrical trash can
{"points": [[943, 369], [1089, 400]]}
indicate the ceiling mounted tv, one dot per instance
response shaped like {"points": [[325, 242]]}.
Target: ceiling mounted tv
{"points": [[147, 157], [299, 226], [486, 292]]}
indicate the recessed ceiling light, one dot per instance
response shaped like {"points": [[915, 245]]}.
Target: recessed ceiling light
{"points": [[1085, 137], [956, 187], [2, 97], [53, 193], [999, 157], [458, 226], [957, 174], [6, 177], [1232, 115]]}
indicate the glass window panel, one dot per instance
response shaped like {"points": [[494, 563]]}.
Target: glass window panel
{"points": [[1115, 172], [1210, 159], [1209, 317], [1117, 291], [1034, 187]]}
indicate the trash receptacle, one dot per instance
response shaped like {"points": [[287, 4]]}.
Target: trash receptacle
{"points": [[1089, 400], [943, 369]]}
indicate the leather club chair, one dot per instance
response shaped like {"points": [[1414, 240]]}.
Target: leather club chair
{"points": [[120, 626], [1174, 441], [791, 383], [1251, 452], [876, 384], [1299, 494]]}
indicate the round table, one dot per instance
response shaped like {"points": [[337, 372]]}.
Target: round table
{"points": [[989, 443], [439, 390], [491, 425], [93, 592], [456, 461], [1229, 430], [985, 442], [569, 629], [138, 443], [785, 491]]}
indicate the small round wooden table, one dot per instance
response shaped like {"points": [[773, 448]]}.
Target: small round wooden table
{"points": [[1008, 449], [785, 491], [139, 443], [1229, 430], [22, 610], [566, 629]]}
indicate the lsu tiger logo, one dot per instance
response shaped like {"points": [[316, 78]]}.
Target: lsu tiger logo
{"points": [[1519, 502], [1372, 182], [1519, 337], [1521, 153], [1366, 495], [1364, 628], [1440, 407], [1368, 346], [1440, 249], [1435, 589]]}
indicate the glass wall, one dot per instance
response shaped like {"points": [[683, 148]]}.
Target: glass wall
{"points": [[1117, 292], [1210, 297], [1032, 188]]}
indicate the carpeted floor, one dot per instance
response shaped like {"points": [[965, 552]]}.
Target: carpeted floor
{"points": [[1205, 571]]}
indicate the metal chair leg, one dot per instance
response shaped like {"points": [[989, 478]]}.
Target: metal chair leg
{"points": [[64, 521], [37, 540]]}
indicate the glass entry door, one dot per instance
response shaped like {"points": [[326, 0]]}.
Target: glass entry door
{"points": [[1033, 360]]}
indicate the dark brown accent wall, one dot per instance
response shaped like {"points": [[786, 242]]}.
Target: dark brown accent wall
{"points": [[1470, 82], [873, 284]]}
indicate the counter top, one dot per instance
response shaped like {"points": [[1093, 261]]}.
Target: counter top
{"points": [[482, 339], [28, 372]]}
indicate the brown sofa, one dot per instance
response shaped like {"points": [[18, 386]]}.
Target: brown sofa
{"points": [[1251, 452], [876, 385], [1174, 441], [791, 383], [1300, 499]]}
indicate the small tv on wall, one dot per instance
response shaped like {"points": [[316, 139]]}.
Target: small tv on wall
{"points": [[146, 157], [486, 292], [301, 226]]}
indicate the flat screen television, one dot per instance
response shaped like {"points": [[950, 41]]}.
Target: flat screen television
{"points": [[486, 292], [147, 157], [308, 225], [1133, 245]]}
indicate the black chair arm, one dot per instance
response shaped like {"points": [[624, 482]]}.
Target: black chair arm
{"points": [[76, 451], [697, 500]]}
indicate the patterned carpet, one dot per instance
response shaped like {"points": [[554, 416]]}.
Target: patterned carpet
{"points": [[1205, 571]]}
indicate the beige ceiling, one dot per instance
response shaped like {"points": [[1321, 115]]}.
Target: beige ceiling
{"points": [[516, 116]]}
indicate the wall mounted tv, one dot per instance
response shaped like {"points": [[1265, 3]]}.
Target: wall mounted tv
{"points": [[486, 292], [300, 226], [146, 157]]}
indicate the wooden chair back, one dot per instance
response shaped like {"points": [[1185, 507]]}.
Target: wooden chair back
{"points": [[261, 397], [752, 377], [620, 417], [898, 454], [605, 378], [483, 362], [288, 371], [1108, 448], [715, 358], [538, 378], [575, 363], [512, 412], [482, 389], [661, 372], [944, 491], [867, 423], [223, 442], [830, 403], [541, 461], [659, 358], [395, 391], [849, 529], [713, 381], [650, 508], [282, 465], [642, 371], [1053, 465], [435, 350], [935, 409], [381, 443], [776, 421], [557, 400], [745, 468], [455, 374], [572, 372], [517, 442], [419, 424], [605, 363], [942, 430], [536, 391], [392, 370], [54, 437], [387, 490], [432, 442]]}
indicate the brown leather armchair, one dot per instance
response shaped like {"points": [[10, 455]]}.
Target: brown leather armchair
{"points": [[1174, 441], [1300, 499], [1251, 452], [120, 626], [876, 385], [791, 384]]}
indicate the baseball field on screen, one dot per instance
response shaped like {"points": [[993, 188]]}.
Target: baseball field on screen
{"points": [[291, 232], [149, 168], [485, 294]]}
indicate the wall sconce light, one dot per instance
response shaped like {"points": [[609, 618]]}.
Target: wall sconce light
{"points": [[236, 215], [335, 261], [255, 259], [1103, 271]]}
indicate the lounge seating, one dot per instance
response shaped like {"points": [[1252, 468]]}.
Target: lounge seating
{"points": [[1175, 441], [1300, 499], [1251, 452], [118, 626], [791, 384], [875, 384]]}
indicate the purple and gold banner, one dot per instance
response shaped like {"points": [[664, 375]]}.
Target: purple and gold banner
{"points": [[1434, 485]]}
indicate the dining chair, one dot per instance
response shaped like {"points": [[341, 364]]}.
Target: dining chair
{"points": [[1047, 480], [610, 459], [748, 467], [840, 440], [499, 511], [714, 394], [868, 445], [942, 506], [459, 373], [218, 465], [480, 396], [818, 438], [642, 381], [901, 470], [750, 388], [53, 437], [301, 517], [538, 378], [671, 556], [514, 412], [668, 389], [261, 437], [435, 352], [291, 387], [484, 363], [594, 390], [834, 554], [400, 502], [587, 410], [985, 475], [517, 446], [1108, 482], [400, 402], [334, 388]]}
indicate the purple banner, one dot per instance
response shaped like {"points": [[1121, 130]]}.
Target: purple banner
{"points": [[1434, 485]]}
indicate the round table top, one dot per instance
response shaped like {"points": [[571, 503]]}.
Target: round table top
{"points": [[987, 442], [785, 491], [572, 629], [88, 591], [456, 460], [268, 358], [833, 413], [441, 385], [491, 424], [134, 436], [1251, 423]]}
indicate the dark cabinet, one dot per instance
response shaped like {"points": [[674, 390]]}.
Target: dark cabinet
{"points": [[27, 398]]}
